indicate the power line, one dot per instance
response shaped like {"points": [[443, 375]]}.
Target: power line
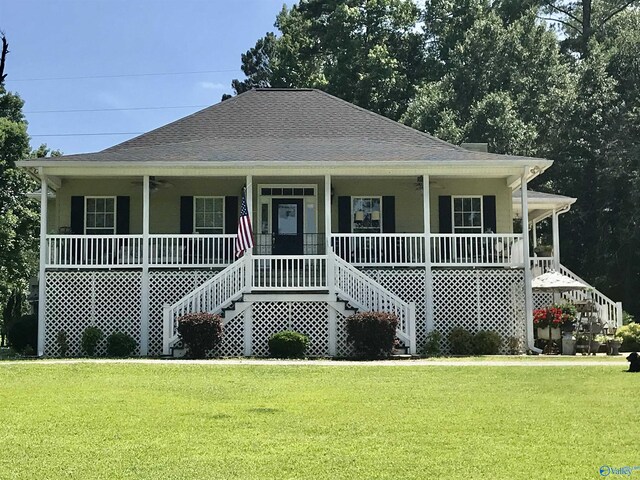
{"points": [[150, 74], [83, 134], [115, 109]]}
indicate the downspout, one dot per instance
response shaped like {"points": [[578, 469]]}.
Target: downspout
{"points": [[528, 294]]}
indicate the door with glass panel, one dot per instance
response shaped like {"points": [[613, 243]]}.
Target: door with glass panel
{"points": [[287, 224]]}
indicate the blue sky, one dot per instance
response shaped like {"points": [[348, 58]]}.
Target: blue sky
{"points": [[82, 38]]}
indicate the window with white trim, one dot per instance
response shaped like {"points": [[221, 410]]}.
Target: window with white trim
{"points": [[366, 214], [100, 215], [208, 215], [467, 214]]}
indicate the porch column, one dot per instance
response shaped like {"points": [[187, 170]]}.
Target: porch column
{"points": [[42, 291], [528, 295], [249, 252], [534, 233], [556, 240], [144, 306], [327, 235], [428, 274]]}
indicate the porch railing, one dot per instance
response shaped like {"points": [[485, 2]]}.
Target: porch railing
{"points": [[125, 251], [610, 311], [277, 272], [361, 250], [212, 296], [390, 249], [540, 265], [481, 249], [365, 293]]}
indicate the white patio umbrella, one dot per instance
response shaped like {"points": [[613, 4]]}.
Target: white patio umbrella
{"points": [[556, 282]]}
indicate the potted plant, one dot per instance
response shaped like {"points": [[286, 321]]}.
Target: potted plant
{"points": [[548, 321], [613, 345], [596, 342], [569, 315], [582, 344], [544, 250]]}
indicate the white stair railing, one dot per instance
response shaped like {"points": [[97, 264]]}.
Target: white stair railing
{"points": [[212, 296], [361, 291], [610, 311]]}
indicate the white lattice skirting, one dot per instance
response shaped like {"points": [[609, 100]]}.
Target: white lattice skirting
{"points": [[481, 299]]}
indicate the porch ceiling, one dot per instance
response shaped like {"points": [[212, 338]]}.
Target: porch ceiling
{"points": [[541, 205]]}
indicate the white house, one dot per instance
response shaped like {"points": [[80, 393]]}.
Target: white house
{"points": [[348, 209]]}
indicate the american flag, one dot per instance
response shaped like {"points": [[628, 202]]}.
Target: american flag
{"points": [[244, 238]]}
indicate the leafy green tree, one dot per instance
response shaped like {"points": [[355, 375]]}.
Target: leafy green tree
{"points": [[502, 80], [19, 217], [368, 52]]}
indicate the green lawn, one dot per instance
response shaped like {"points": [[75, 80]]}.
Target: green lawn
{"points": [[110, 421]]}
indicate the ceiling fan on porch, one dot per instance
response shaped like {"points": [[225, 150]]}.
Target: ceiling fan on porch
{"points": [[155, 183]]}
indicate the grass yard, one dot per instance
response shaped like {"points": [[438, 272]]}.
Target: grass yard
{"points": [[141, 421]]}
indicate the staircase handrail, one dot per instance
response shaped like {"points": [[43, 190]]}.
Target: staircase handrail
{"points": [[613, 309], [213, 295], [365, 293]]}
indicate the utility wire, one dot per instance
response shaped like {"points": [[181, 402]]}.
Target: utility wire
{"points": [[119, 75], [114, 109], [83, 134]]}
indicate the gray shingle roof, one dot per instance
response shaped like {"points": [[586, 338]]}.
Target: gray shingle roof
{"points": [[283, 125]]}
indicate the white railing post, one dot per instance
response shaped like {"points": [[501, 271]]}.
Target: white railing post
{"points": [[556, 241], [619, 314], [167, 329], [428, 273], [411, 325], [248, 253], [248, 332]]}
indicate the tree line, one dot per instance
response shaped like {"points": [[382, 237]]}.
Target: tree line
{"points": [[549, 78]]}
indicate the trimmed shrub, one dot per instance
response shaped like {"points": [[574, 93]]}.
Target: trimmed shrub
{"points": [[90, 338], [200, 332], [288, 344], [372, 333], [431, 346], [120, 344], [461, 341], [23, 333], [63, 343], [630, 336], [487, 343]]}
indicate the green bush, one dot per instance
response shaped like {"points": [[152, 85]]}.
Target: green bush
{"points": [[90, 338], [120, 344], [288, 344], [372, 333], [630, 336], [63, 343], [200, 332], [23, 333], [431, 346], [461, 341], [487, 343]]}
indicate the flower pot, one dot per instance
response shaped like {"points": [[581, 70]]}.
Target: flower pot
{"points": [[595, 346], [555, 333], [543, 333], [613, 347], [568, 346], [568, 327]]}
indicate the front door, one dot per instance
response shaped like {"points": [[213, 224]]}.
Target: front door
{"points": [[287, 226]]}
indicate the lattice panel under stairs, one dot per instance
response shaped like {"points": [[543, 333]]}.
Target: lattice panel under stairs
{"points": [[542, 299], [481, 299], [167, 287], [309, 318], [408, 284], [77, 300], [232, 344], [343, 348]]}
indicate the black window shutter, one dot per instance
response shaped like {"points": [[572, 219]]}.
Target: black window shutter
{"points": [[77, 215], [444, 212], [489, 212], [122, 215], [344, 214], [230, 214], [389, 214], [186, 215]]}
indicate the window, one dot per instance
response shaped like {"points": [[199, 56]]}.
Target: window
{"points": [[467, 215], [100, 215], [209, 215], [366, 215]]}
